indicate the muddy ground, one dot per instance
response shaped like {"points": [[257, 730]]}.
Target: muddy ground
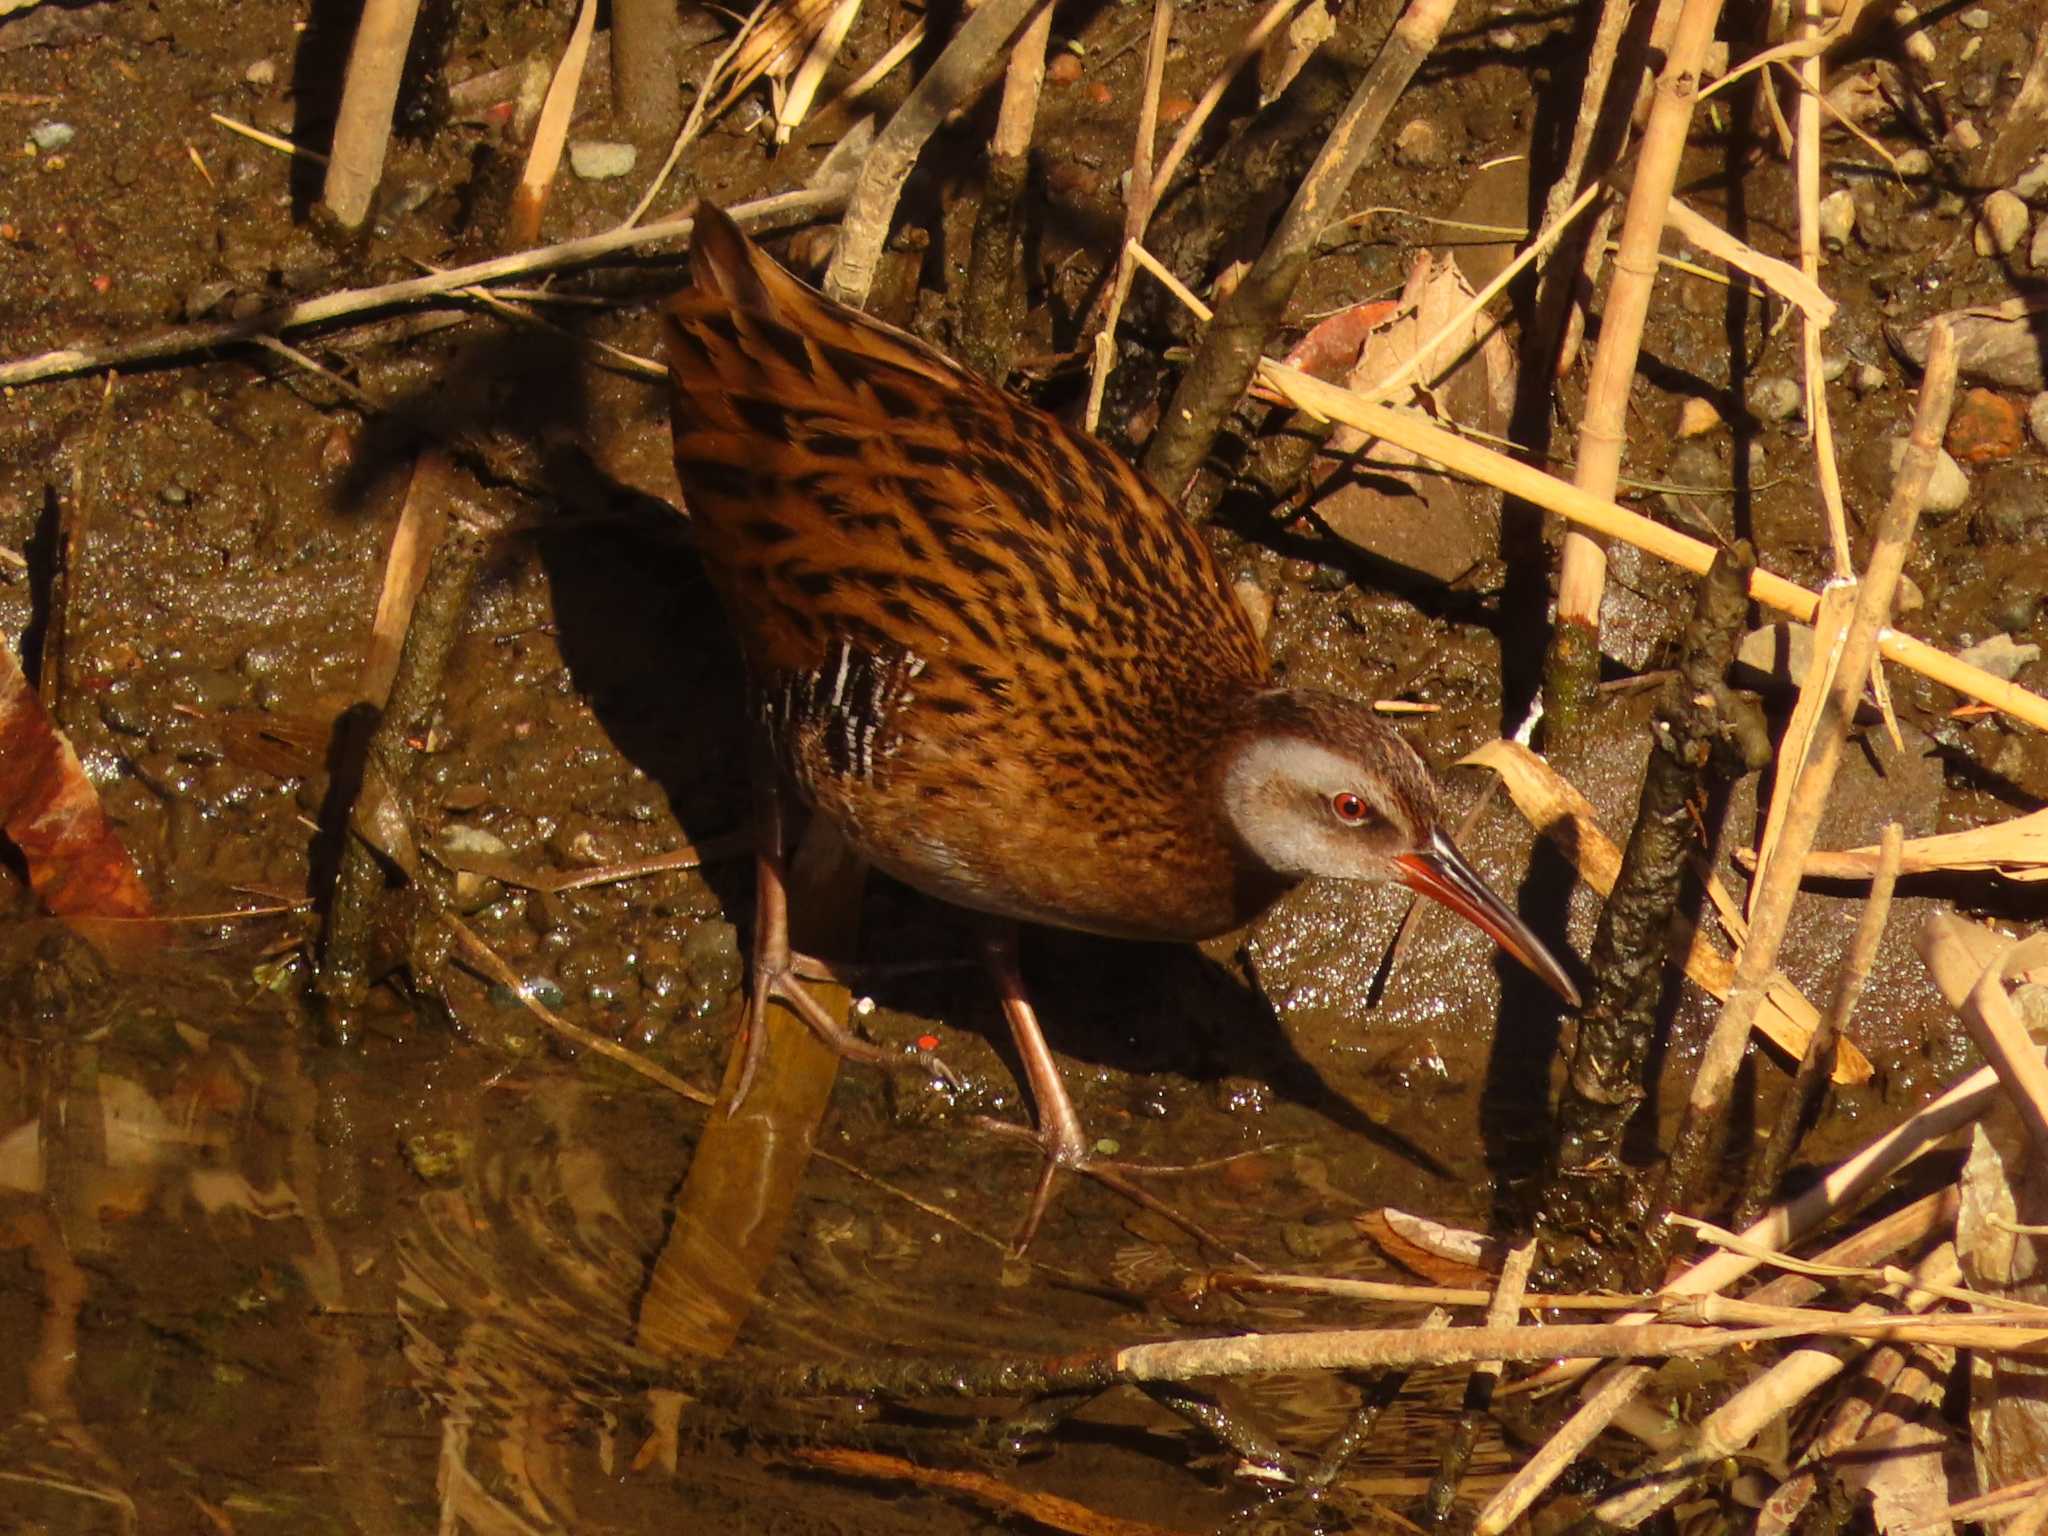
{"points": [[290, 1285]]}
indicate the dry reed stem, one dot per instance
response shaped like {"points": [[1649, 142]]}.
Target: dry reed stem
{"points": [[1582, 575], [1779, 879], [422, 519], [1615, 1388], [1347, 1349], [1022, 83], [1731, 1427], [775, 212], [550, 133], [362, 129], [645, 47], [1795, 746], [1807, 163], [2032, 1520], [1419, 1295], [1411, 430], [1977, 992], [1139, 200], [950, 83], [1815, 1065]]}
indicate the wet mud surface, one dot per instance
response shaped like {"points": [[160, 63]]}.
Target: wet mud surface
{"points": [[252, 1280]]}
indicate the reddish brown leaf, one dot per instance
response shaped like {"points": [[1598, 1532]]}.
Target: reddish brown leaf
{"points": [[77, 865]]}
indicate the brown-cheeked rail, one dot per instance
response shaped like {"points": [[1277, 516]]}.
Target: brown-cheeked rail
{"points": [[1006, 668]]}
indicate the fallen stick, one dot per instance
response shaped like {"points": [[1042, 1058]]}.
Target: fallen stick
{"points": [[767, 213]]}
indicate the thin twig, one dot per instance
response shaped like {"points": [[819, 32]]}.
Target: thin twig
{"points": [[777, 212]]}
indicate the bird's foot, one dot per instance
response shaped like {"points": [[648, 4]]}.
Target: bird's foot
{"points": [[1069, 1152], [785, 983]]}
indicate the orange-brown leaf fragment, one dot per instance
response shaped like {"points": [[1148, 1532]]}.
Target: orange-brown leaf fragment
{"points": [[77, 864]]}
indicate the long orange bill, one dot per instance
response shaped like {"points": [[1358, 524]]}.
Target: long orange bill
{"points": [[1440, 871]]}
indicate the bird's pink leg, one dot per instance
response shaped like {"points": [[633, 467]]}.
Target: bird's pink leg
{"points": [[1059, 1134], [774, 970]]}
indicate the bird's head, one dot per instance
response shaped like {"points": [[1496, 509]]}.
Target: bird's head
{"points": [[1315, 785]]}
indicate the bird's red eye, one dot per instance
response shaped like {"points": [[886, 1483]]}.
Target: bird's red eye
{"points": [[1348, 808]]}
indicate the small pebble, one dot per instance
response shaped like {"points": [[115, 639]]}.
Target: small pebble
{"points": [[2000, 656], [262, 72], [1963, 135], [1064, 69], [2032, 182], [1977, 19], [1834, 366], [1419, 145], [1776, 399], [1837, 218], [1919, 46], [601, 160], [1918, 162], [2037, 249], [2001, 224], [1909, 598], [51, 135], [1984, 428], [174, 495], [1868, 379], [1100, 94], [1174, 109], [1697, 417], [1947, 489], [2037, 418]]}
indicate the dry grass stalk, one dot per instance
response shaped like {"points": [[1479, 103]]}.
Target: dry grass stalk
{"points": [[1802, 1098], [1795, 747], [1796, 287], [551, 132], [949, 83], [1770, 1397], [1610, 1393], [796, 100], [1582, 573], [1415, 432], [1110, 307], [362, 130], [1779, 878], [1977, 991], [1138, 203], [2016, 849]]}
